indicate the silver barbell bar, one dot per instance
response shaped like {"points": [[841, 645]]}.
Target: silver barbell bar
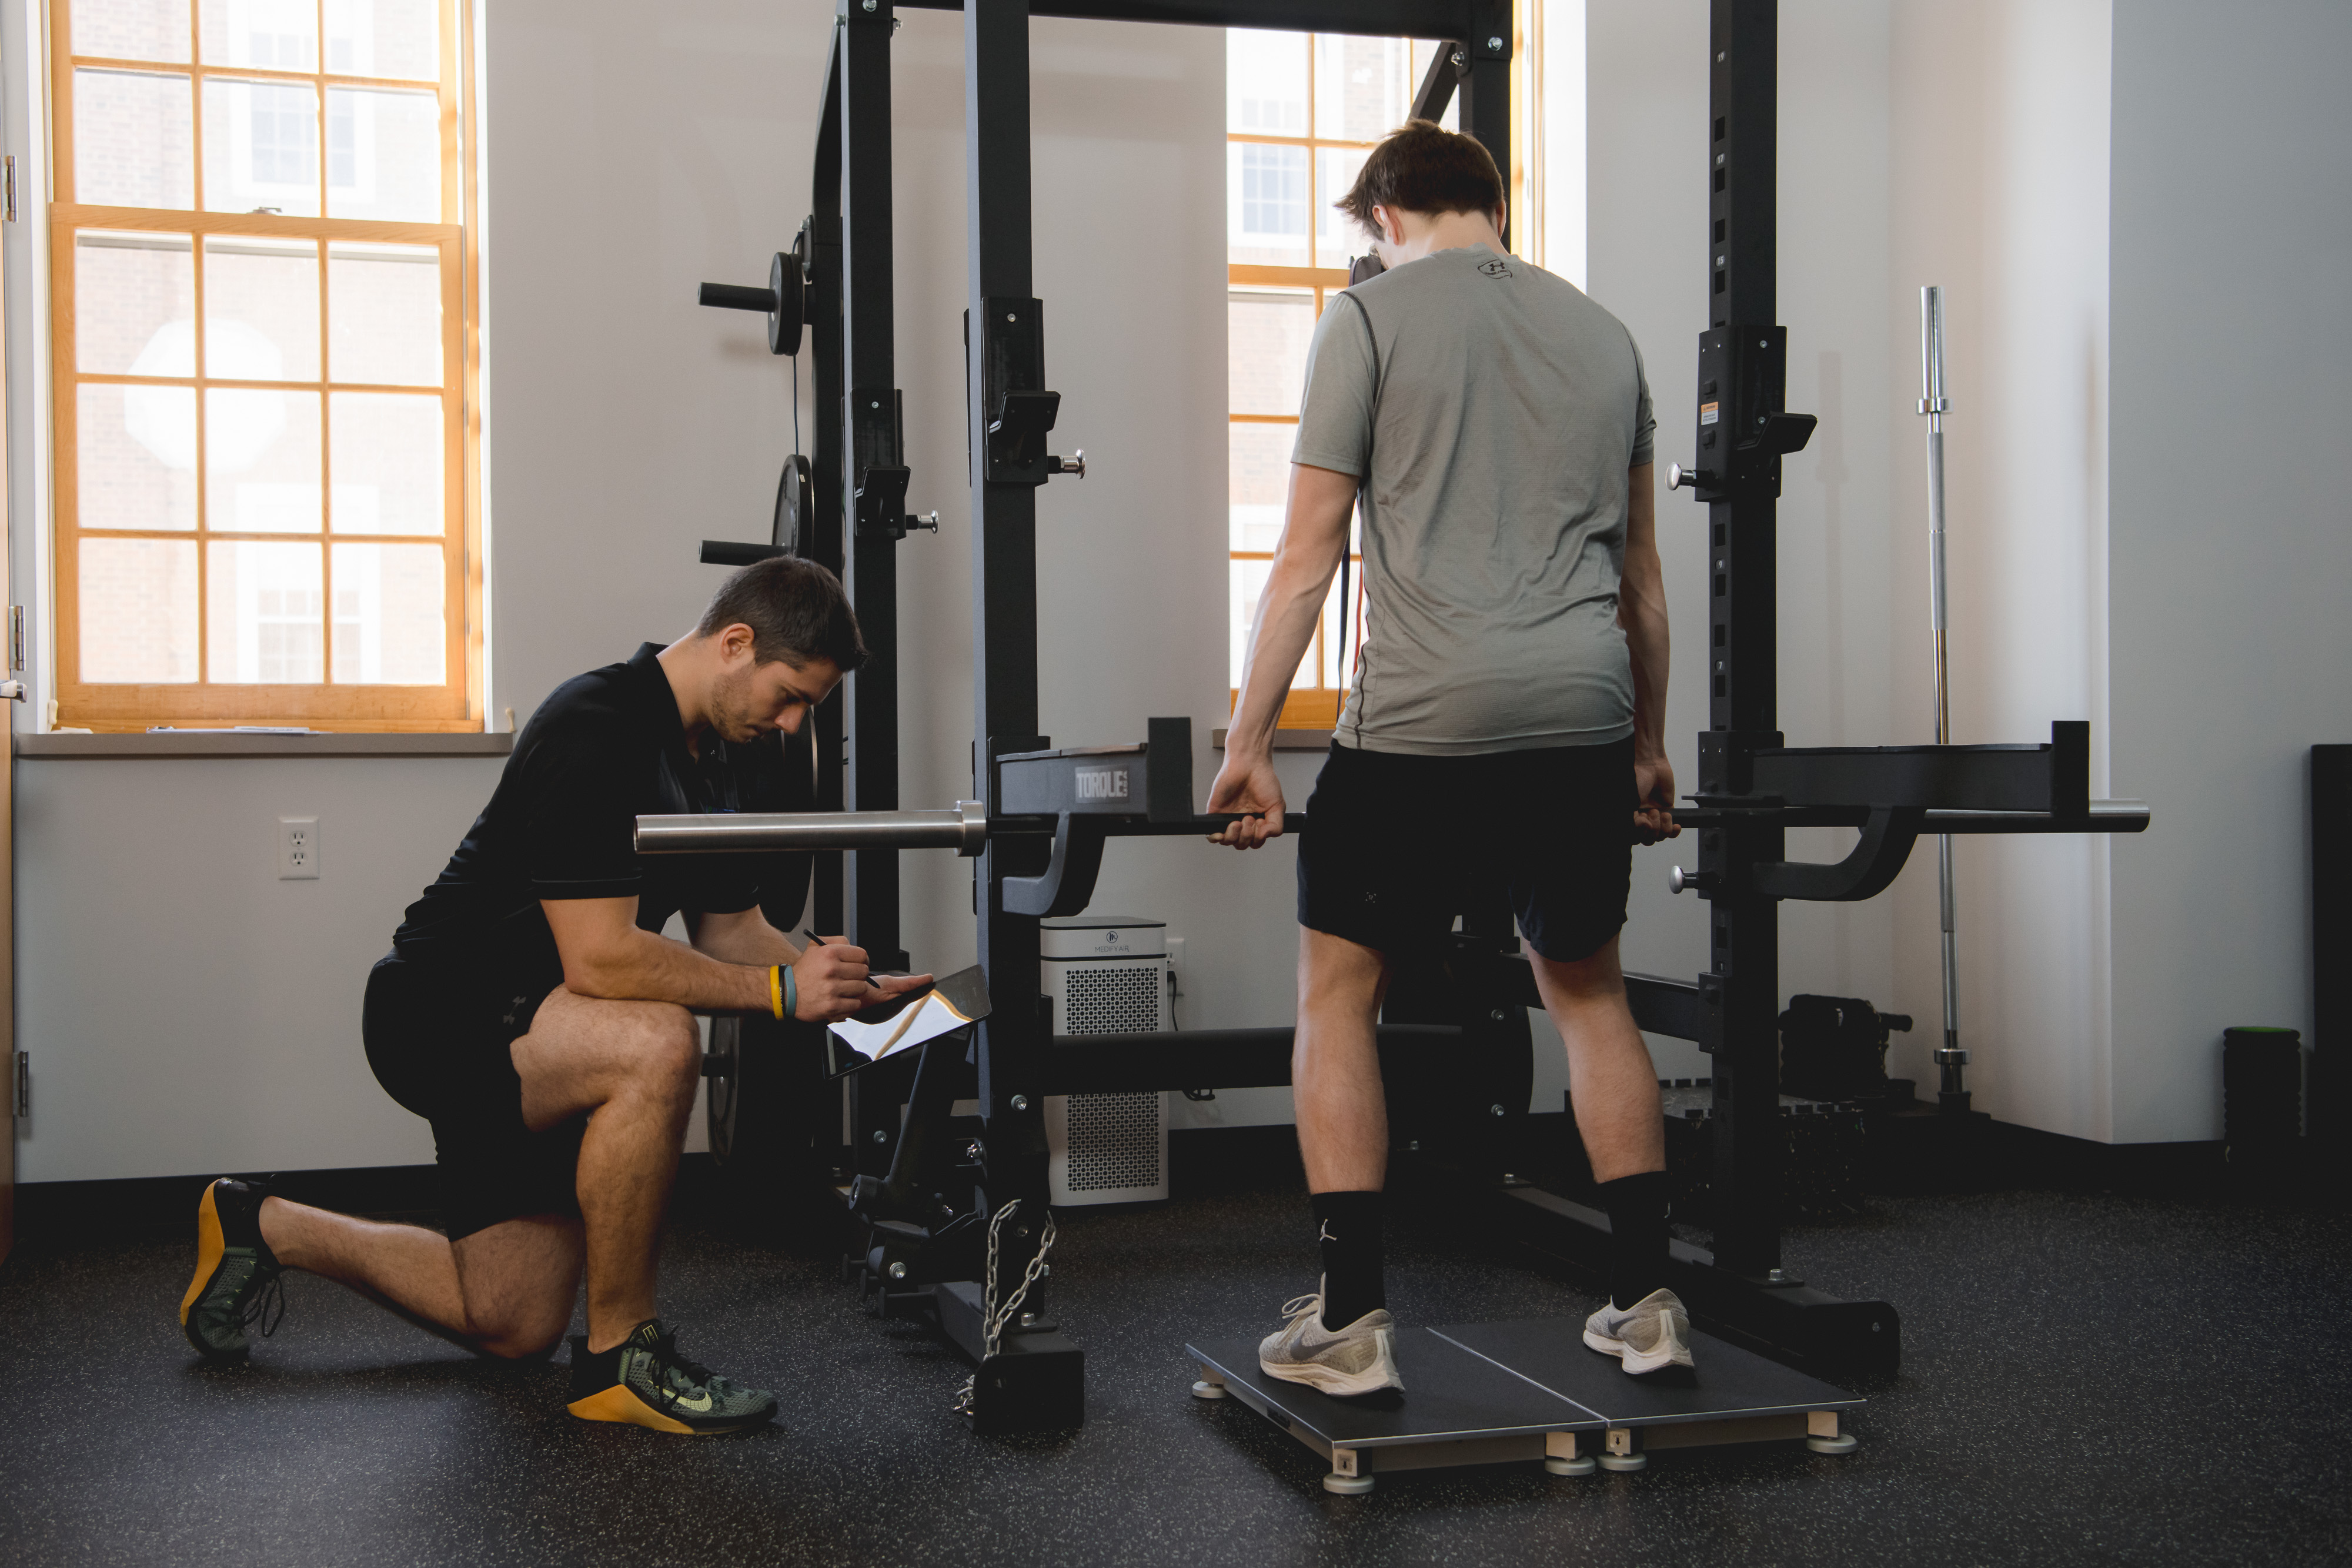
{"points": [[962, 828]]}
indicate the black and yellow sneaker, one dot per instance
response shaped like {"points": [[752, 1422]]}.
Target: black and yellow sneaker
{"points": [[644, 1381], [237, 1277]]}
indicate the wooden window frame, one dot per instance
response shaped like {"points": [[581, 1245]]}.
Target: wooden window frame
{"points": [[457, 703]]}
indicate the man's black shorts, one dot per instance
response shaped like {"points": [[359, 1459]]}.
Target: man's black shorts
{"points": [[438, 1040], [1396, 845]]}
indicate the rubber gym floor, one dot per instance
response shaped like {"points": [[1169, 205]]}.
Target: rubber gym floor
{"points": [[2089, 1376]]}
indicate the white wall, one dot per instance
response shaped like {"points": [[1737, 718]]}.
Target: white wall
{"points": [[1647, 238], [2232, 533], [1998, 191], [186, 1011]]}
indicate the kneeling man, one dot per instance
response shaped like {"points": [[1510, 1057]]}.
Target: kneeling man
{"points": [[531, 1010]]}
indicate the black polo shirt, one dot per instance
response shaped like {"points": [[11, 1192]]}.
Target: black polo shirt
{"points": [[603, 749]]}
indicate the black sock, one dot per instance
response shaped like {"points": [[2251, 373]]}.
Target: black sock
{"points": [[1637, 1235], [1347, 1224]]}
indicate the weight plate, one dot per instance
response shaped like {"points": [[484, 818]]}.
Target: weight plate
{"points": [[790, 285], [793, 504]]}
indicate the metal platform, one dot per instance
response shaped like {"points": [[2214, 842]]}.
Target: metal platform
{"points": [[1482, 1393]]}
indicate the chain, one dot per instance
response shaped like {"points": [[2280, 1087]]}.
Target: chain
{"points": [[992, 1328]]}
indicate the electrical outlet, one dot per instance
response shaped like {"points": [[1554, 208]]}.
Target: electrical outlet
{"points": [[297, 848]]}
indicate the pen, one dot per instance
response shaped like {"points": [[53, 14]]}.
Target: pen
{"points": [[823, 943]]}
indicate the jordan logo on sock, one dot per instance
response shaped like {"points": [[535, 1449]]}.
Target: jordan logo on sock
{"points": [[1325, 1234]]}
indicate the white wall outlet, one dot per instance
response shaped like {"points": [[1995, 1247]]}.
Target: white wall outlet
{"points": [[297, 848]]}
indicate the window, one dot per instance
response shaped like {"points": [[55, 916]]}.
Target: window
{"points": [[264, 367], [1302, 110]]}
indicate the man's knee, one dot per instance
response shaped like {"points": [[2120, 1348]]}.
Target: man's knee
{"points": [[1334, 972], [669, 1050], [525, 1336]]}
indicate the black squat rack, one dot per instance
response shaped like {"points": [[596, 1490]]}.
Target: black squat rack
{"points": [[961, 1231]]}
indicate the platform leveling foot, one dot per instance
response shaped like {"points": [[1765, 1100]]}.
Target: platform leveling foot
{"points": [[1211, 1384], [1344, 1478], [1619, 1455], [1560, 1456], [1822, 1434]]}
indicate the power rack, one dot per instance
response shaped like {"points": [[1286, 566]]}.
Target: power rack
{"points": [[1455, 1034]]}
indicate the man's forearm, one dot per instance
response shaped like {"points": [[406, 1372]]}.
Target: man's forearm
{"points": [[1647, 646], [1314, 539], [1279, 638], [646, 967], [745, 939]]}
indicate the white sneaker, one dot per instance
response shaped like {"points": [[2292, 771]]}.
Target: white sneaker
{"points": [[1653, 1332], [1358, 1359]]}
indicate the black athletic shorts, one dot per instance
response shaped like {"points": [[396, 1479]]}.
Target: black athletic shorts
{"points": [[1396, 846], [438, 1040]]}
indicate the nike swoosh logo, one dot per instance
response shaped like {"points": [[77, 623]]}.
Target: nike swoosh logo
{"points": [[699, 1404]]}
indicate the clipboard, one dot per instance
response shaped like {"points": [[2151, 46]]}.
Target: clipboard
{"points": [[891, 1028]]}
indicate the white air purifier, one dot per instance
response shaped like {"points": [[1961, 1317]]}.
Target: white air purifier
{"points": [[1106, 974]]}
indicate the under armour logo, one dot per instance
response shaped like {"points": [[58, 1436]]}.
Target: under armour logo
{"points": [[1494, 268], [1370, 896]]}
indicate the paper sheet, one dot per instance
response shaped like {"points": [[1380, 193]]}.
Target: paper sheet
{"points": [[906, 1021]]}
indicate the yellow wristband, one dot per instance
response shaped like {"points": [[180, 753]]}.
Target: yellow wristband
{"points": [[776, 988]]}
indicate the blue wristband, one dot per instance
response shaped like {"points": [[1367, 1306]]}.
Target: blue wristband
{"points": [[792, 994]]}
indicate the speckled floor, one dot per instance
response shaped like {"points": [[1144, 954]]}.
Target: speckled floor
{"points": [[2089, 1378]]}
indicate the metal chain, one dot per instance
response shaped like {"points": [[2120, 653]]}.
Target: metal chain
{"points": [[993, 1327]]}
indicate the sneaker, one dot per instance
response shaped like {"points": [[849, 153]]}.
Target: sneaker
{"points": [[237, 1281], [1653, 1332], [1358, 1359], [644, 1382]]}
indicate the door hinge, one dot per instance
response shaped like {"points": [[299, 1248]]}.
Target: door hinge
{"points": [[24, 1085], [15, 638], [8, 181]]}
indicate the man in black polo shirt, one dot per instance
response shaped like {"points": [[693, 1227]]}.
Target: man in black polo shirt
{"points": [[532, 1011]]}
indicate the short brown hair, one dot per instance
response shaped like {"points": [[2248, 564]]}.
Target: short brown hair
{"points": [[796, 610], [1424, 168]]}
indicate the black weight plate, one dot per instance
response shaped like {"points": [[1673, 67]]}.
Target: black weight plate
{"points": [[794, 503], [789, 285]]}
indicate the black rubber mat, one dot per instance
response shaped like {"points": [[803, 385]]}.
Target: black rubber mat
{"points": [[2088, 1378]]}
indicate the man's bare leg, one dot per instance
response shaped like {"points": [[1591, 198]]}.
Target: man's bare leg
{"points": [[505, 1290], [635, 1065], [1613, 1085], [508, 1289], [1343, 1122], [1335, 1065], [1612, 1081]]}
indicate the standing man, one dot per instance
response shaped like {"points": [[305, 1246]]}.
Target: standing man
{"points": [[531, 1009], [1504, 725]]}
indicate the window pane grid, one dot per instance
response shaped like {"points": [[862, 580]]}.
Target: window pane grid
{"points": [[1284, 245], [280, 555], [284, 635], [1302, 111]]}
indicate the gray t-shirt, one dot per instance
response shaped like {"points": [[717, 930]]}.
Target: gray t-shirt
{"points": [[1491, 410]]}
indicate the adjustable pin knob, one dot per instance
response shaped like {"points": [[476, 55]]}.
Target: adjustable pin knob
{"points": [[1681, 478], [930, 519], [1681, 880]]}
